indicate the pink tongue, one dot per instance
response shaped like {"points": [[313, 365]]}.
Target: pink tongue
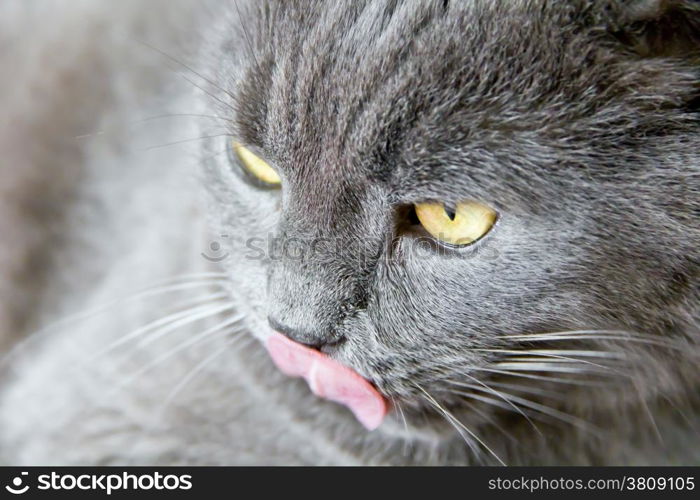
{"points": [[328, 379]]}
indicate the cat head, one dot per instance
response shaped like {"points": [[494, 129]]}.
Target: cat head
{"points": [[571, 125]]}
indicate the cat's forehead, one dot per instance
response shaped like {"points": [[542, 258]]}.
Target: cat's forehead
{"points": [[432, 93]]}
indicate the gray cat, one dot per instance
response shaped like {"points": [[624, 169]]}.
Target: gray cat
{"points": [[474, 223]]}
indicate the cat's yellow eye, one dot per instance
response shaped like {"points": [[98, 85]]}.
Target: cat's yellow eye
{"points": [[256, 167], [467, 223]]}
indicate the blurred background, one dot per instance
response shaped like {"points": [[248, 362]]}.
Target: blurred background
{"points": [[76, 74]]}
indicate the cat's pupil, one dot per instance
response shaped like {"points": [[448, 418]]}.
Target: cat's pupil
{"points": [[412, 217], [451, 213]]}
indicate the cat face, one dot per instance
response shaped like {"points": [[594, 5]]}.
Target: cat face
{"points": [[582, 149]]}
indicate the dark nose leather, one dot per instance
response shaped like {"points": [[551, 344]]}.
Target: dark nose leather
{"points": [[316, 340]]}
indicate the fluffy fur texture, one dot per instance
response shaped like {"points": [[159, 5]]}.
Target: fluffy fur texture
{"points": [[569, 335]]}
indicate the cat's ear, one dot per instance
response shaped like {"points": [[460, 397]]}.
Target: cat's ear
{"points": [[657, 28]]}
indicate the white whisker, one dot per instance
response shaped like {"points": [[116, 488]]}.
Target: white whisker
{"points": [[539, 367], [564, 417], [180, 347], [403, 415], [185, 141], [531, 390], [497, 394], [558, 353], [451, 418], [197, 369], [610, 335], [158, 416], [491, 421], [191, 313], [478, 397], [211, 310], [174, 284], [405, 439], [552, 358], [585, 383], [133, 123], [551, 412]]}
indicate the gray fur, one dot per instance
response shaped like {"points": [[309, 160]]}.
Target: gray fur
{"points": [[572, 119]]}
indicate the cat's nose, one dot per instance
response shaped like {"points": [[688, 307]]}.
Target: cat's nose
{"points": [[316, 340]]}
